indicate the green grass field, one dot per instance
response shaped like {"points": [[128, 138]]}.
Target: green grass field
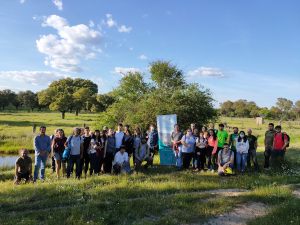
{"points": [[159, 195]]}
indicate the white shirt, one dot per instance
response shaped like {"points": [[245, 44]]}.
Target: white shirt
{"points": [[120, 158], [119, 137], [92, 149], [242, 146]]}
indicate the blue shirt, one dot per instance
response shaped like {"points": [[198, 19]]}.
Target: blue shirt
{"points": [[41, 143], [152, 139], [189, 141]]}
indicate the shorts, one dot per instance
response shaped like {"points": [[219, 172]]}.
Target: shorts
{"points": [[22, 175], [58, 156]]}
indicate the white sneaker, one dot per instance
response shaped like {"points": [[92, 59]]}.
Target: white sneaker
{"points": [[208, 170], [212, 171]]}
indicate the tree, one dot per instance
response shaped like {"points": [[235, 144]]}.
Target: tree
{"points": [[103, 101], [62, 103], [16, 101], [255, 112], [227, 108], [285, 106], [81, 97], [3, 100], [267, 113], [275, 112], [137, 103], [29, 98]]}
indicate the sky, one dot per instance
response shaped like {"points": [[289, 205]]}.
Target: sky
{"points": [[237, 49]]}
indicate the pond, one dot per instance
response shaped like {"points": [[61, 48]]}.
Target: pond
{"points": [[9, 160]]}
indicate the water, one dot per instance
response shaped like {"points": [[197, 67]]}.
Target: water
{"points": [[10, 160]]}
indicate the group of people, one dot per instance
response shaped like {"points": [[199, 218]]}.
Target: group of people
{"points": [[101, 151], [209, 148]]}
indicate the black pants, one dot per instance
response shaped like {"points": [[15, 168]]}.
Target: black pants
{"points": [[215, 158], [201, 157], [74, 159], [186, 159], [53, 164], [234, 160], [22, 175], [209, 155], [152, 152], [267, 155], [85, 161], [108, 162]]}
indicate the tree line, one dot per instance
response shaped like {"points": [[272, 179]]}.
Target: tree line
{"points": [[285, 109]]}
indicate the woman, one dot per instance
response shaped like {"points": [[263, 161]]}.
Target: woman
{"points": [[96, 153], [103, 140], [188, 142], [211, 149], [201, 144], [58, 147], [110, 148], [128, 142], [194, 157], [206, 134], [136, 141], [242, 147]]}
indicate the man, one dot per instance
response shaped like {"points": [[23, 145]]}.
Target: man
{"points": [[84, 162], [232, 142], [252, 149], [41, 145], [142, 152], [279, 145], [52, 156], [120, 157], [126, 128], [23, 167], [152, 136], [75, 144], [105, 128], [177, 146], [222, 136], [225, 159], [212, 126], [119, 134], [269, 138], [193, 127]]}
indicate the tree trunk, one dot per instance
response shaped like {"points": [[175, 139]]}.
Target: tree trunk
{"points": [[3, 107], [32, 109], [76, 112], [70, 110], [17, 107], [63, 114]]}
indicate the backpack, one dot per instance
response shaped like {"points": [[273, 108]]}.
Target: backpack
{"points": [[67, 152], [288, 139]]}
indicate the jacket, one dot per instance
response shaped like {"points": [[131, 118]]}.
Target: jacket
{"points": [[138, 152]]}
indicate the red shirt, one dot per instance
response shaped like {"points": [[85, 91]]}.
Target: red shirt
{"points": [[279, 143]]}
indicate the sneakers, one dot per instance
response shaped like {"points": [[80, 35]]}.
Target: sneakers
{"points": [[197, 170], [202, 171], [212, 170], [209, 170]]}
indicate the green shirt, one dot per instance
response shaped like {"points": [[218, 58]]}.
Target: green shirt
{"points": [[222, 135], [233, 138], [269, 138], [24, 164]]}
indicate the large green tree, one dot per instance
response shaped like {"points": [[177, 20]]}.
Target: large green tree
{"points": [[285, 106], [29, 98], [137, 102]]}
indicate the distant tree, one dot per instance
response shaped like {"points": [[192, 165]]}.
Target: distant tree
{"points": [[16, 101], [29, 98], [241, 111], [266, 112], [3, 100], [285, 106], [275, 112], [255, 112], [81, 97], [103, 101], [293, 113], [227, 108]]}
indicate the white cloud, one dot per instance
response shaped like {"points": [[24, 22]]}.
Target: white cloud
{"points": [[62, 53], [102, 22], [97, 49], [22, 1], [99, 27], [12, 88], [124, 71], [131, 48], [59, 4], [91, 24], [98, 80], [124, 29], [111, 23], [33, 77], [145, 15], [206, 72], [143, 57]]}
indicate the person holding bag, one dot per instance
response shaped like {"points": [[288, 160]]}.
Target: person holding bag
{"points": [[58, 147], [242, 147], [96, 153], [201, 144]]}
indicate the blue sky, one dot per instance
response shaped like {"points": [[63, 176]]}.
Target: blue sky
{"points": [[238, 49]]}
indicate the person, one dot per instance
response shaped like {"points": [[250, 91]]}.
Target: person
{"points": [[152, 136], [193, 127], [23, 167], [242, 147], [76, 146], [205, 132], [41, 145], [211, 149], [142, 152], [126, 128], [53, 156], [137, 140], [194, 156], [269, 139], [225, 159], [81, 132], [58, 147], [188, 142], [177, 146], [232, 142], [279, 145], [105, 128], [103, 140], [85, 161], [96, 153], [212, 127], [222, 137], [109, 151], [120, 157], [201, 144], [252, 150], [119, 134], [128, 142]]}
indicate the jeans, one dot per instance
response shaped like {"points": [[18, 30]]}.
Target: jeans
{"points": [[194, 159], [117, 169], [252, 153], [268, 152], [186, 159], [234, 160], [178, 156], [138, 164], [222, 173], [277, 155], [215, 158], [74, 159], [40, 161], [241, 161]]}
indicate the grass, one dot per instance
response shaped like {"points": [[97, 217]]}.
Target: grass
{"points": [[159, 195]]}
